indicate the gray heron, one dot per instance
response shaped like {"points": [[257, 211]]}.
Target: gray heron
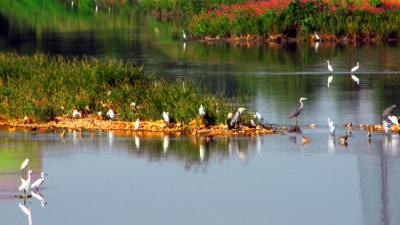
{"points": [[354, 69], [236, 117], [389, 110], [39, 181], [329, 67], [386, 126], [297, 111], [258, 117]]}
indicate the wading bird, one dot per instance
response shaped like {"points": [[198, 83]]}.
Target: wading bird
{"points": [[202, 112], [166, 117], [354, 69], [389, 110], [110, 114], [332, 127], [317, 38], [24, 165], [297, 111], [184, 35], [349, 125], [386, 126], [236, 118], [329, 67], [39, 181], [25, 183], [343, 138], [258, 117], [137, 124]]}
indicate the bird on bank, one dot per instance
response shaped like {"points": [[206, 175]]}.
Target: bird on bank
{"points": [[317, 38], [110, 114], [166, 117], [394, 119], [258, 117], [202, 112], [25, 183], [236, 118], [39, 181], [332, 127], [296, 112], [354, 69], [329, 67]]}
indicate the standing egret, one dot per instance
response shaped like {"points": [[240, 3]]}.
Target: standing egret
{"points": [[389, 110], [25, 183], [202, 112], [332, 127], [329, 67], [39, 181], [166, 117], [24, 165], [354, 69], [137, 124], [184, 35], [258, 117], [330, 78], [110, 114], [317, 38], [297, 111]]}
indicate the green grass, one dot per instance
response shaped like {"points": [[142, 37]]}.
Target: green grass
{"points": [[41, 85]]}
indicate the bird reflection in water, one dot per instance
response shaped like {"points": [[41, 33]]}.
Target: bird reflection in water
{"points": [[137, 142], [355, 79], [111, 137], [331, 144], [202, 151], [166, 143], [39, 197], [27, 211]]}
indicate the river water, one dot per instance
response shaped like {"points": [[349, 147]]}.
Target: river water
{"points": [[126, 178]]}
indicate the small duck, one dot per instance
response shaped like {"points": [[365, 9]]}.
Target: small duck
{"points": [[343, 138], [305, 139]]}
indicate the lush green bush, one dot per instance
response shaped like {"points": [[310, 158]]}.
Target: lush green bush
{"points": [[45, 86]]}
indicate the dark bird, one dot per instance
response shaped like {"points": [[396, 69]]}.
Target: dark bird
{"points": [[297, 111], [389, 110], [235, 119], [343, 138]]}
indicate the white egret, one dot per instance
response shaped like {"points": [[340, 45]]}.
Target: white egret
{"points": [[184, 35], [230, 115], [166, 117], [75, 114], [332, 127], [110, 114], [355, 79], [317, 38], [394, 119], [296, 112], [137, 124], [354, 69], [329, 67], [24, 165], [25, 183], [202, 112], [252, 123], [259, 117], [39, 181], [330, 79]]}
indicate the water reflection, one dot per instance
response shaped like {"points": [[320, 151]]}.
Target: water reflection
{"points": [[355, 79], [25, 209], [40, 197], [166, 143], [137, 142], [331, 143]]}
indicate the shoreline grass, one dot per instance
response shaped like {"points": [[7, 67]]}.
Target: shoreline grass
{"points": [[44, 87]]}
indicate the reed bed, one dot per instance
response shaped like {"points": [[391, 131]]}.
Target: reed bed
{"points": [[44, 87]]}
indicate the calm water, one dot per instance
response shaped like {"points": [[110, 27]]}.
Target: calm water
{"points": [[113, 177]]}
